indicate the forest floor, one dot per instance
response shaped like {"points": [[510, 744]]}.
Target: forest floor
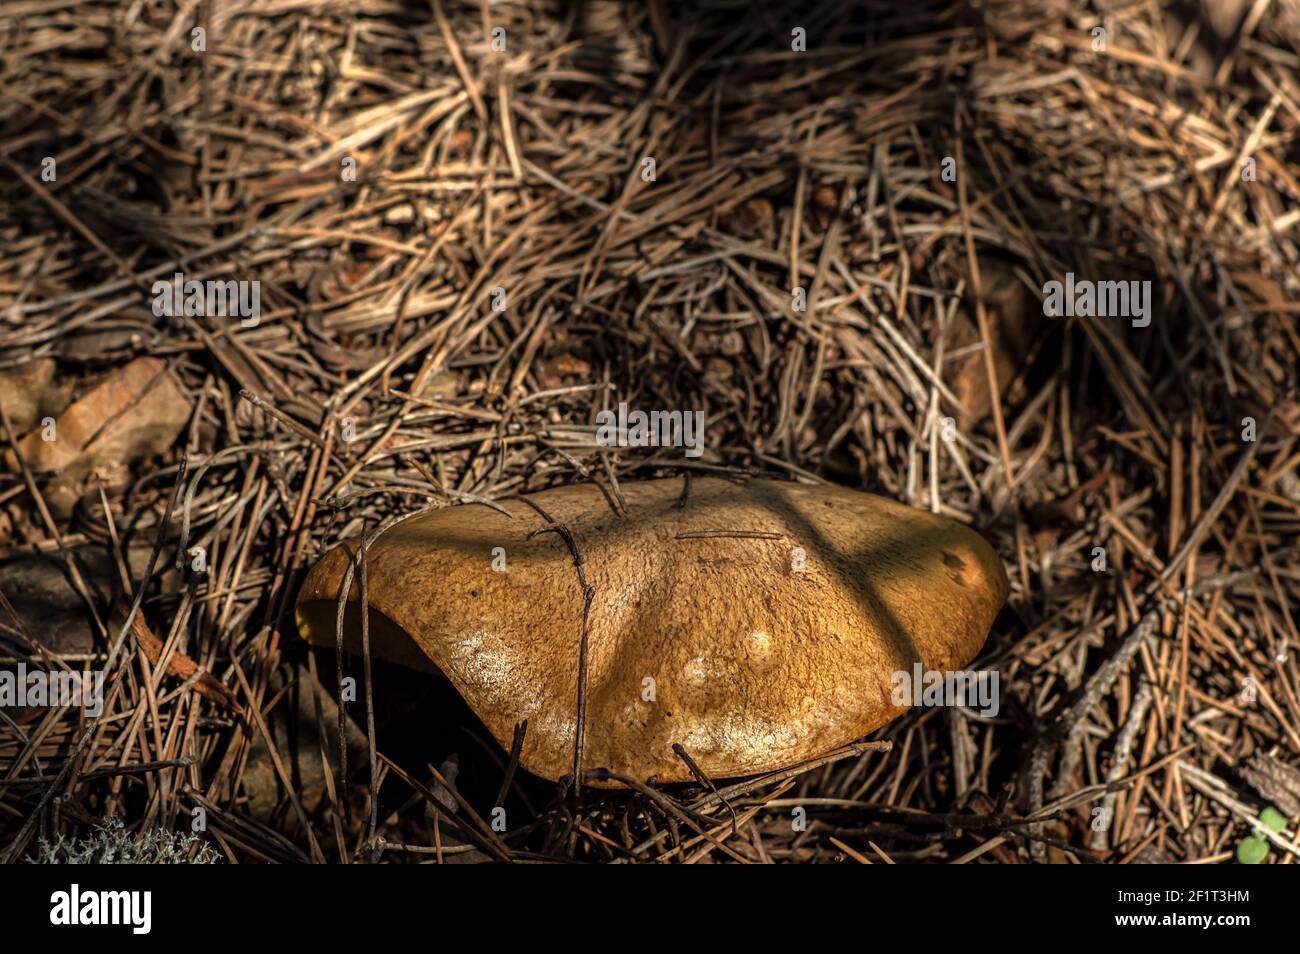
{"points": [[475, 225]]}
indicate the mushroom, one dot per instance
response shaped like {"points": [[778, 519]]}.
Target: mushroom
{"points": [[751, 625]]}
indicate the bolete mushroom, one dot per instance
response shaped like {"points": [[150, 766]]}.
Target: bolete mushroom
{"points": [[754, 624]]}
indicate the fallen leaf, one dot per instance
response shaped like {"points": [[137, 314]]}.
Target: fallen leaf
{"points": [[23, 392], [135, 412], [1009, 309]]}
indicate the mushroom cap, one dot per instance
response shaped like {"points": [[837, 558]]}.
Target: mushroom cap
{"points": [[701, 631]]}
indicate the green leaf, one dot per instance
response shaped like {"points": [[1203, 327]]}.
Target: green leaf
{"points": [[1252, 850], [1273, 819]]}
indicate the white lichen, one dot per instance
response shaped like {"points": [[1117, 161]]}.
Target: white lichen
{"points": [[112, 844]]}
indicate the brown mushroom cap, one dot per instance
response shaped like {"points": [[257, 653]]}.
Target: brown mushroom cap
{"points": [[755, 665]]}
